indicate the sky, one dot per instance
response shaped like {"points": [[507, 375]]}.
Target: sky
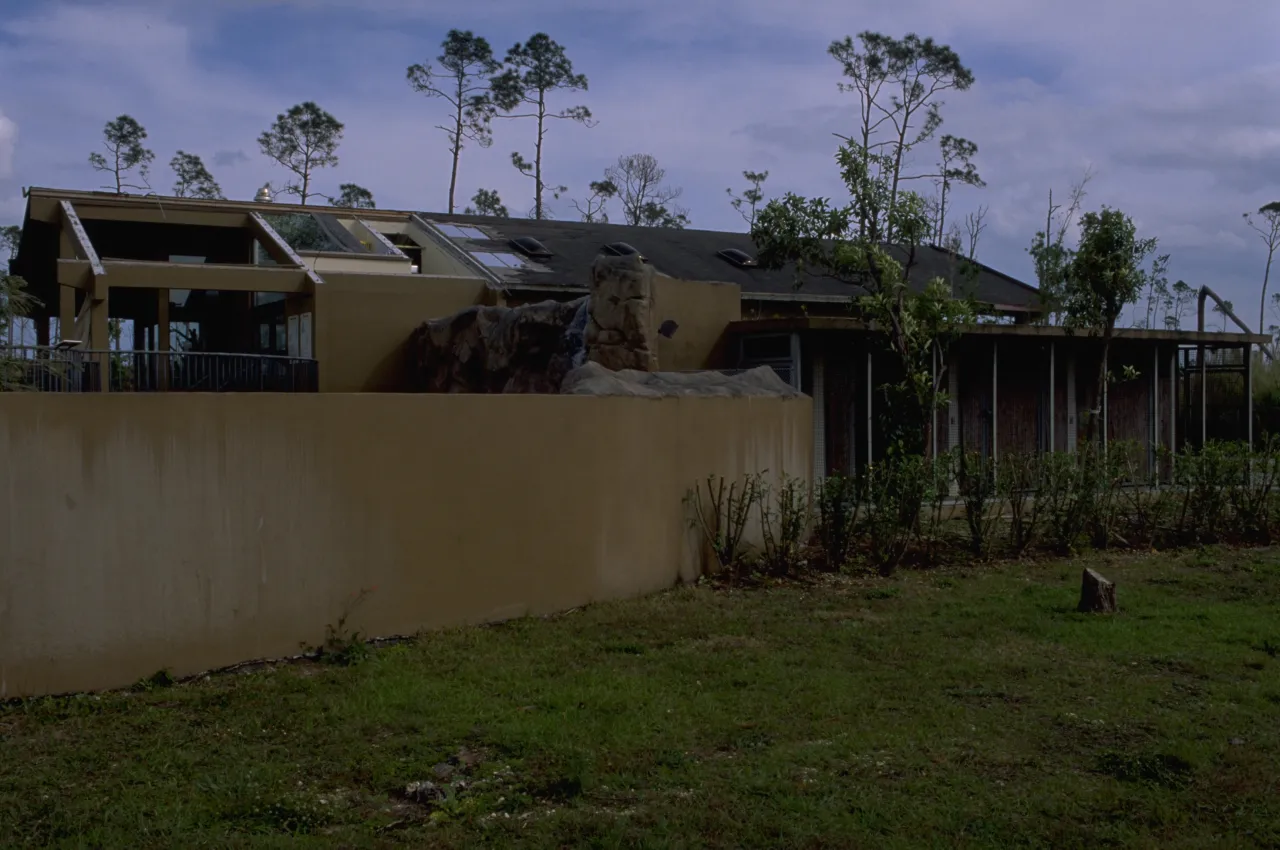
{"points": [[1174, 105]]}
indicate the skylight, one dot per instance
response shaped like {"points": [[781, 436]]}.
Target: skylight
{"points": [[530, 247], [461, 231], [498, 260], [620, 249], [741, 259]]}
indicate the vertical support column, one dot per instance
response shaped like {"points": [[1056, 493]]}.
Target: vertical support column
{"points": [[1248, 393], [1173, 410], [162, 339], [1154, 430], [953, 403], [796, 383], [42, 331], [870, 417], [995, 416], [1073, 428], [1204, 398], [66, 313], [100, 337], [819, 419], [1053, 397], [1106, 420]]}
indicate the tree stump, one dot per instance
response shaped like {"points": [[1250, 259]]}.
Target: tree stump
{"points": [[1097, 595]]}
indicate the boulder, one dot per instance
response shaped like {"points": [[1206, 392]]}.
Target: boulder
{"points": [[524, 349], [1097, 595], [592, 378], [621, 331]]}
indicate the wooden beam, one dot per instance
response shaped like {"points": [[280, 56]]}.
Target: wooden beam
{"points": [[136, 274], [157, 212], [80, 239], [280, 250]]}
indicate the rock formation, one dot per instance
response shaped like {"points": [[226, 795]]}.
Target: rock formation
{"points": [[621, 330], [593, 379], [524, 349]]}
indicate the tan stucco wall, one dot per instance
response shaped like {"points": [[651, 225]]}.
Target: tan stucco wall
{"points": [[363, 323], [702, 310], [194, 531]]}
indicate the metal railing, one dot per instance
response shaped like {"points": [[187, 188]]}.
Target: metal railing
{"points": [[81, 370]]}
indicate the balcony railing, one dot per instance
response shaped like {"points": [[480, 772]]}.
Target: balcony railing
{"points": [[80, 370]]}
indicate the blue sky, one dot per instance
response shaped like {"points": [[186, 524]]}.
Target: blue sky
{"points": [[1175, 105]]}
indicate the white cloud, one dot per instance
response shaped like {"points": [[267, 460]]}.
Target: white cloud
{"points": [[1178, 110], [8, 141]]}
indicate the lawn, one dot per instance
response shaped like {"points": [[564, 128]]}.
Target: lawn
{"points": [[957, 708]]}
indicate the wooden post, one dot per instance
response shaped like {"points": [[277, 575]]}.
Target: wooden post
{"points": [[870, 420], [1154, 431], [66, 313], [1053, 397], [995, 417], [1204, 397], [162, 339], [1248, 392]]}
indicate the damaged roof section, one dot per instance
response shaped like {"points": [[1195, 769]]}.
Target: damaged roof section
{"points": [[565, 251]]}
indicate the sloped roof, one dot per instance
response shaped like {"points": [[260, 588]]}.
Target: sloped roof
{"points": [[692, 255]]}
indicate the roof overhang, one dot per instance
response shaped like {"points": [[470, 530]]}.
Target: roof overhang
{"points": [[835, 324]]}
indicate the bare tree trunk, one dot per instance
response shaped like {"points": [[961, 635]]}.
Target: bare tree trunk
{"points": [[1266, 278], [537, 158]]}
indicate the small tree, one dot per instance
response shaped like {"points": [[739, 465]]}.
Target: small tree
{"points": [[487, 202], [193, 179], [534, 70], [1049, 250], [846, 244], [955, 166], [1105, 276], [466, 62], [916, 72], [353, 196], [594, 207], [123, 140], [1269, 230], [302, 140], [646, 202], [751, 198]]}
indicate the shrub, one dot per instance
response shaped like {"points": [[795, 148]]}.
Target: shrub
{"points": [[784, 519], [722, 515], [839, 499], [976, 479]]}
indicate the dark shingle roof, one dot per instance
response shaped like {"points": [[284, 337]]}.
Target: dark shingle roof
{"points": [[691, 255]]}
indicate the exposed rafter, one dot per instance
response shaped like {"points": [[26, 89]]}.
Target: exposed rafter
{"points": [[280, 250], [138, 274], [382, 240], [75, 229]]}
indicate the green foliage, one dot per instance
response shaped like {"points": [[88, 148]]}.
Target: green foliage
{"points": [[748, 202], [15, 302], [839, 501], [465, 63], [353, 196], [193, 179], [123, 140], [918, 326], [784, 522], [594, 208], [977, 486], [487, 202], [302, 140], [342, 646], [533, 71]]}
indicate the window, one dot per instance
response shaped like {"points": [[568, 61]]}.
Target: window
{"points": [[496, 260], [461, 231]]}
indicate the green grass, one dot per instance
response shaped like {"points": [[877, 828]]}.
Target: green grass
{"points": [[959, 708]]}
